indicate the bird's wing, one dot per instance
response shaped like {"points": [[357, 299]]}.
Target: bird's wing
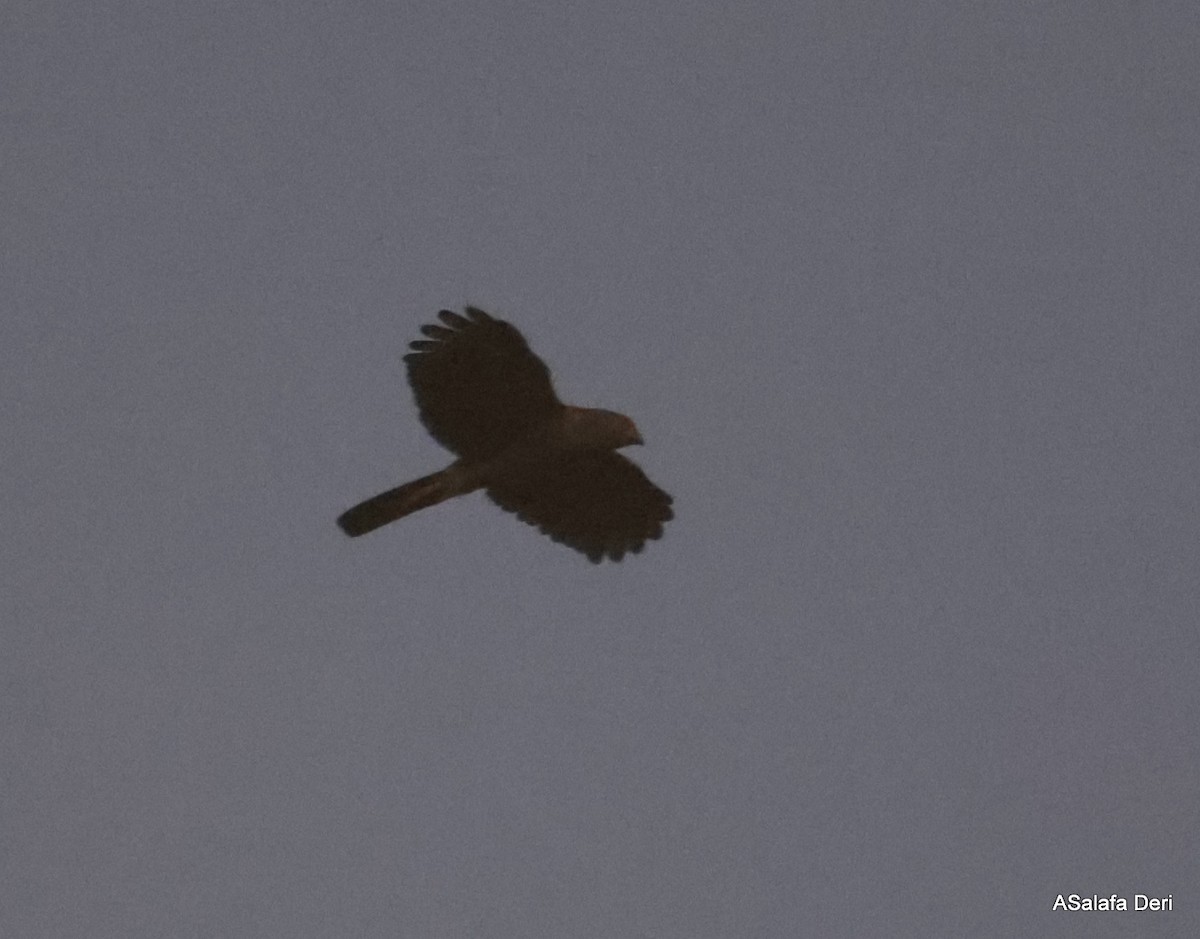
{"points": [[478, 386], [597, 502]]}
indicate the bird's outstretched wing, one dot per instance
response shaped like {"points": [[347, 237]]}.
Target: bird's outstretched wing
{"points": [[478, 386], [597, 502]]}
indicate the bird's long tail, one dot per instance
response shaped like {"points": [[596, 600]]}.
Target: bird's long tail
{"points": [[397, 503]]}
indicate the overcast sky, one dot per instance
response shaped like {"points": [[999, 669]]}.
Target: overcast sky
{"points": [[903, 298]]}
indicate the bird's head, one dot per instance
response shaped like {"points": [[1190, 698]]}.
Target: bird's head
{"points": [[597, 429]]}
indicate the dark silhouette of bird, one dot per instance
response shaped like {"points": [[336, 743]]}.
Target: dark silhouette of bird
{"points": [[484, 395]]}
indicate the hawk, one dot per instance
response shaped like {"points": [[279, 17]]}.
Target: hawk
{"points": [[484, 395]]}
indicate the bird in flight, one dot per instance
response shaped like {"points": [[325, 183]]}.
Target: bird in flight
{"points": [[484, 395]]}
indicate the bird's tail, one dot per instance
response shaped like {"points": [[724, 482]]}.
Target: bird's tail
{"points": [[397, 503]]}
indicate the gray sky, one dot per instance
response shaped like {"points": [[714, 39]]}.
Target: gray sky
{"points": [[903, 298]]}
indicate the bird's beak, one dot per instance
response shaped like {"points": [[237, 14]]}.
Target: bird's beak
{"points": [[637, 439]]}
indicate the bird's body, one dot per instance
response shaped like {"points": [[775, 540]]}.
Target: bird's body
{"points": [[485, 396]]}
